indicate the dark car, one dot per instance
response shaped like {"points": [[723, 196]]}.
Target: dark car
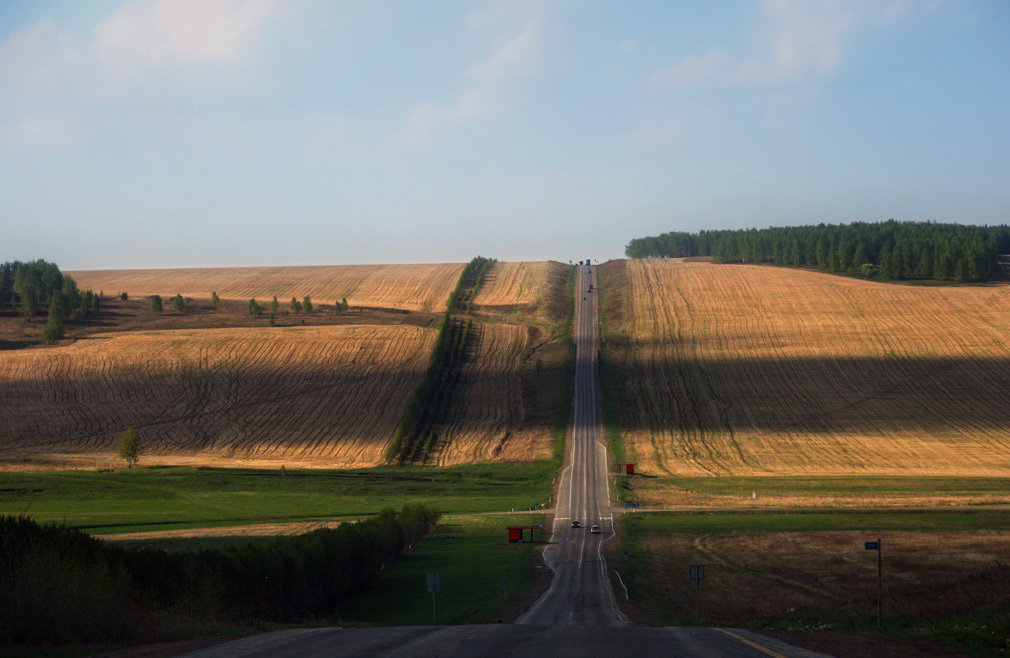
{"points": [[576, 524]]}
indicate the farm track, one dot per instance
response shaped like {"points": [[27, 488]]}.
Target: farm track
{"points": [[750, 370], [422, 287], [332, 394]]}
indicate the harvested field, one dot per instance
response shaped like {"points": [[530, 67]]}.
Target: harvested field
{"points": [[492, 420], [321, 396], [422, 287], [508, 401], [752, 370]]}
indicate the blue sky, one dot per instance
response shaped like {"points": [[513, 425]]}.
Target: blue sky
{"points": [[174, 133]]}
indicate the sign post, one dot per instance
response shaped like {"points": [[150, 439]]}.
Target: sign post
{"points": [[878, 546], [697, 575], [434, 584]]}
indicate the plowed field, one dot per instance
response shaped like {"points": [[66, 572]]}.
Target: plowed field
{"points": [[410, 287], [750, 370], [325, 395]]}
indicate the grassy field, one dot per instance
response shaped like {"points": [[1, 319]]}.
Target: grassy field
{"points": [[735, 370], [147, 499], [946, 582], [473, 558]]}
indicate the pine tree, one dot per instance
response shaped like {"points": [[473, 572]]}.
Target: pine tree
{"points": [[307, 304], [214, 299], [253, 308], [296, 307], [273, 305]]}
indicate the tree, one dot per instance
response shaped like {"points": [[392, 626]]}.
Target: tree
{"points": [[130, 447], [123, 296], [344, 305], [273, 322], [156, 303], [296, 307], [53, 330], [273, 305], [337, 307], [307, 304], [178, 303], [253, 308], [214, 299]]}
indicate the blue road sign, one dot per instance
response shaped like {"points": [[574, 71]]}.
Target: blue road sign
{"points": [[872, 546]]}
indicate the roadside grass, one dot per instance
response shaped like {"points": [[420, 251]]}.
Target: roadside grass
{"points": [[812, 492], [157, 498], [472, 557], [945, 574]]}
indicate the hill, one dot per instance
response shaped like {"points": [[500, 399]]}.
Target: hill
{"points": [[757, 370], [423, 287]]}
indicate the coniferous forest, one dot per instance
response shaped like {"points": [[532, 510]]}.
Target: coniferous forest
{"points": [[885, 250]]}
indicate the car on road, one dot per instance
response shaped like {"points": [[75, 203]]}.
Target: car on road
{"points": [[576, 524], [595, 530]]}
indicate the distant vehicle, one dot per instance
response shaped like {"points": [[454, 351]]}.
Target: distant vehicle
{"points": [[576, 524], [583, 299], [595, 530]]}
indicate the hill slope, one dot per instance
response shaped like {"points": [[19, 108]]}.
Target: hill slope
{"points": [[751, 370]]}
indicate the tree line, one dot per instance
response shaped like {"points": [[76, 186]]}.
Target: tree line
{"points": [[416, 434], [60, 585], [36, 286], [886, 250]]}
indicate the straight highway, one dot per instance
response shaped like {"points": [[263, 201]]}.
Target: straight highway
{"points": [[578, 614]]}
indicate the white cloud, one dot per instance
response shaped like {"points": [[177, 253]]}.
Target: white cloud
{"points": [[38, 57], [487, 81], [797, 39], [47, 132], [166, 33]]}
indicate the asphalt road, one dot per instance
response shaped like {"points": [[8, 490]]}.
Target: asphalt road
{"points": [[578, 614], [580, 592]]}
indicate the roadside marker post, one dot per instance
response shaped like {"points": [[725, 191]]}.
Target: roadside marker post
{"points": [[879, 547], [697, 575], [434, 585]]}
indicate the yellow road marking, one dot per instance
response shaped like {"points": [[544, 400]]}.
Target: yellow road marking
{"points": [[751, 644]]}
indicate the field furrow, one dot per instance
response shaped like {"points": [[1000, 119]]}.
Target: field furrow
{"points": [[748, 370], [327, 396], [409, 287]]}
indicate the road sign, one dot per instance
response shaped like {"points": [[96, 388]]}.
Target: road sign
{"points": [[697, 573], [872, 546], [434, 581]]}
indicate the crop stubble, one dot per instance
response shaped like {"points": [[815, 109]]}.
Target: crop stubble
{"points": [[752, 370], [504, 408], [325, 396], [414, 287]]}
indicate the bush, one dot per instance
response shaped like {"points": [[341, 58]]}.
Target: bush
{"points": [[214, 299], [307, 304], [253, 308], [178, 303], [296, 307], [156, 303], [123, 296]]}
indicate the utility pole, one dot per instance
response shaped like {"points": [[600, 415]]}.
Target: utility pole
{"points": [[434, 584]]}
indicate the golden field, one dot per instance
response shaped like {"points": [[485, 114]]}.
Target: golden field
{"points": [[508, 398], [423, 287], [324, 396], [754, 370]]}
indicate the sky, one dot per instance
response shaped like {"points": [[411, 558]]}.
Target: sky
{"points": [[185, 133]]}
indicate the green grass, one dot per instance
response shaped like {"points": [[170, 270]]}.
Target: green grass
{"points": [[130, 500], [844, 486], [706, 523], [472, 556]]}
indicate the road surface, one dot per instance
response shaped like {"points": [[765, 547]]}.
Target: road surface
{"points": [[578, 614], [580, 592]]}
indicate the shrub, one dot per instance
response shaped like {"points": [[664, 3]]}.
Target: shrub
{"points": [[253, 308], [178, 303], [156, 303]]}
